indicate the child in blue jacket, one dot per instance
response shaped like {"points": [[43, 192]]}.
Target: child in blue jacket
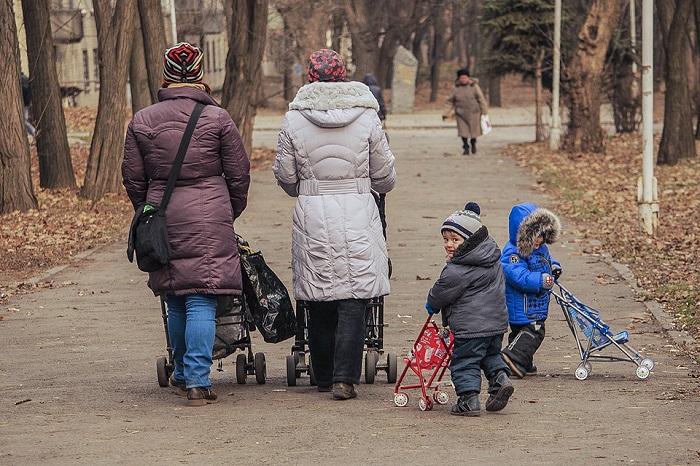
{"points": [[530, 272]]}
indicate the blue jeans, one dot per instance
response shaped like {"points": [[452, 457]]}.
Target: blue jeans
{"points": [[336, 340], [472, 355], [192, 327]]}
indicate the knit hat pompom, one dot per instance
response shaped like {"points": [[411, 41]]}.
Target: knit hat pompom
{"points": [[474, 207], [325, 65], [183, 64], [463, 222]]}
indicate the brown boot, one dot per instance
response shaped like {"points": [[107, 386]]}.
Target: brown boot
{"points": [[201, 396], [343, 391], [179, 388]]}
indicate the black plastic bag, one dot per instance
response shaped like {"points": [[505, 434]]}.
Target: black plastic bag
{"points": [[266, 296]]}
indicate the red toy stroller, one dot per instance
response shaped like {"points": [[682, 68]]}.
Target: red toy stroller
{"points": [[432, 351]]}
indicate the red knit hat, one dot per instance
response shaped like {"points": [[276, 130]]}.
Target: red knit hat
{"points": [[183, 64], [325, 65]]}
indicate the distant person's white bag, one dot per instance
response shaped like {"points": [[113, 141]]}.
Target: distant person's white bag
{"points": [[485, 125]]}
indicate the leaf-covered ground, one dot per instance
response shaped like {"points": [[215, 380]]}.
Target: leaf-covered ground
{"points": [[599, 192]]}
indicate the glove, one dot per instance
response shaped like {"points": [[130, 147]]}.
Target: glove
{"points": [[430, 310], [556, 272], [547, 281]]}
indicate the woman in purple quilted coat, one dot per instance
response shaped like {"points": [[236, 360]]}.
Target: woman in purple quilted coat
{"points": [[211, 192]]}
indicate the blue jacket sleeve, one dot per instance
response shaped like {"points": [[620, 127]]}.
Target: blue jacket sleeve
{"points": [[519, 276]]}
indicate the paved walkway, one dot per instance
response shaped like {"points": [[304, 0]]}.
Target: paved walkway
{"points": [[78, 381]]}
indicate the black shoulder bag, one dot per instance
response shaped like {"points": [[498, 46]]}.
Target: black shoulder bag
{"points": [[148, 234]]}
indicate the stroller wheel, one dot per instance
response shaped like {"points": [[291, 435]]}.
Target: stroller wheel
{"points": [[400, 399], [642, 372], [371, 360], [241, 369], [581, 372], [291, 371], [425, 403], [648, 363], [588, 367], [312, 374], [162, 371], [391, 367], [260, 368], [441, 397]]}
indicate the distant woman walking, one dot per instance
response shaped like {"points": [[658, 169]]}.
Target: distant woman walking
{"points": [[467, 103]]}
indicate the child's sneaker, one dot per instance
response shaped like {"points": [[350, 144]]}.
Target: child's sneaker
{"points": [[467, 405], [500, 391]]}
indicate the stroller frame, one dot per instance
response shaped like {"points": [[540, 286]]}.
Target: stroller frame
{"points": [[246, 363], [431, 352], [374, 346], [592, 335]]}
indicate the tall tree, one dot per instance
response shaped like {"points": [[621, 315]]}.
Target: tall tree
{"points": [[16, 191], [583, 77], [520, 33], [247, 24], [677, 139], [154, 43], [305, 26], [365, 20], [55, 164], [697, 58], [138, 78], [114, 40], [438, 16]]}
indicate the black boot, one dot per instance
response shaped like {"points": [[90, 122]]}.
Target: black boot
{"points": [[465, 146], [467, 405], [500, 389], [473, 141]]}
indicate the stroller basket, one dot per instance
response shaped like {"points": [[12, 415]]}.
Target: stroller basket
{"points": [[431, 352], [593, 335]]}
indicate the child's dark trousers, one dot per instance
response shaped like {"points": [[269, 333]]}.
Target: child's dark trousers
{"points": [[472, 355]]}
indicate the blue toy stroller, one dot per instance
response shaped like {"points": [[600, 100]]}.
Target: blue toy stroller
{"points": [[592, 335]]}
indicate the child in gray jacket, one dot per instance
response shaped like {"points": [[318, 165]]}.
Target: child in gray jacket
{"points": [[471, 295]]}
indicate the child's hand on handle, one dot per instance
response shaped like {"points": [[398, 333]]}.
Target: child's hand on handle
{"points": [[547, 281], [430, 310], [556, 272]]}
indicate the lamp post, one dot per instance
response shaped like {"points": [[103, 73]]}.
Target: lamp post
{"points": [[173, 22], [647, 195]]}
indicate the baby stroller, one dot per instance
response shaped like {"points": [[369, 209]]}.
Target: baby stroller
{"points": [[432, 351], [592, 335], [233, 326], [374, 336]]}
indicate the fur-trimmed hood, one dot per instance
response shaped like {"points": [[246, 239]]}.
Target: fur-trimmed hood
{"points": [[330, 96], [526, 222]]}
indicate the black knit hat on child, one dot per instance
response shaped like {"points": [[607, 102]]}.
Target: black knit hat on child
{"points": [[464, 222]]}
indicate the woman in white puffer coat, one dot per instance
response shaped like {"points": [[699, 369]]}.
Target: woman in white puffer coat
{"points": [[331, 154]]}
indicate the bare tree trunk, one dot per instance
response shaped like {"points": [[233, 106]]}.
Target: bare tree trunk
{"points": [[539, 127], [677, 139], [138, 79], [305, 25], [55, 164], [365, 22], [154, 43], [247, 26], [697, 60], [16, 192], [495, 91], [399, 30], [584, 76], [114, 39], [438, 49]]}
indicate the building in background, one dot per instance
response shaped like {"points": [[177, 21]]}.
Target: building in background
{"points": [[199, 22]]}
